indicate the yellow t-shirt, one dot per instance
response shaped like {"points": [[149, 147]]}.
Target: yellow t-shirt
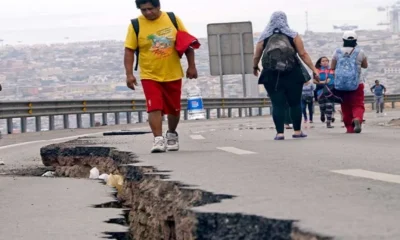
{"points": [[158, 59]]}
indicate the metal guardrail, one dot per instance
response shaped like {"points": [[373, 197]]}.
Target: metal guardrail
{"points": [[25, 109]]}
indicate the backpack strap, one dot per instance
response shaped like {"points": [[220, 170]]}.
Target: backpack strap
{"points": [[355, 52], [171, 16], [135, 25]]}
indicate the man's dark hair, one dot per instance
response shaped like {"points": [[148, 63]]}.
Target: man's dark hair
{"points": [[155, 3], [350, 42]]}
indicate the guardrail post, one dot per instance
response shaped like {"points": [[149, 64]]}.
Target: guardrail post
{"points": [[128, 117], [260, 111], [208, 113], [92, 119], [66, 121], [140, 117], [373, 106], [23, 124], [38, 123], [393, 104], [218, 112], [79, 120], [51, 123], [250, 112], [10, 126], [229, 112], [117, 118], [240, 112], [185, 114], [105, 119]]}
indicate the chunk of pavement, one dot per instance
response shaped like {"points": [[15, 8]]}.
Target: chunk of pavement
{"points": [[48, 174]]}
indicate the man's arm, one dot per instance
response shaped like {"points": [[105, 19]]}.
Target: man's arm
{"points": [[129, 59], [190, 57], [372, 89]]}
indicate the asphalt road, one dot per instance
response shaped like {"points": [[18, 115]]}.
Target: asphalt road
{"points": [[336, 184]]}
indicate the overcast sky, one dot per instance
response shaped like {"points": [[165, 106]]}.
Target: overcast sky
{"points": [[48, 14]]}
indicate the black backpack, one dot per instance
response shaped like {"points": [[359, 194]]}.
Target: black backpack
{"points": [[135, 24], [279, 55]]}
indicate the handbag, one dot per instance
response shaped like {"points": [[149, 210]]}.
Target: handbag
{"points": [[306, 75]]}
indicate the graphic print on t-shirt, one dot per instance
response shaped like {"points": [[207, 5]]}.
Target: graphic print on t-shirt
{"points": [[162, 42]]}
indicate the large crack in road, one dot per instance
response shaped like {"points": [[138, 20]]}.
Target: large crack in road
{"points": [[156, 209]]}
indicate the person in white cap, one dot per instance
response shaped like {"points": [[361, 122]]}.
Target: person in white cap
{"points": [[347, 62]]}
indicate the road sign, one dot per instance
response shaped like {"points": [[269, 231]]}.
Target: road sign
{"points": [[231, 49]]}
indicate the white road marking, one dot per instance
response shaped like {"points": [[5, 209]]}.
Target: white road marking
{"points": [[197, 132], [47, 140], [60, 139], [385, 177], [234, 150], [197, 137]]}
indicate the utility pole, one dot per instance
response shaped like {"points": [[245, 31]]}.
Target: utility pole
{"points": [[307, 29]]}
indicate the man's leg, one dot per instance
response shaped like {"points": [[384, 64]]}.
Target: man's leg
{"points": [[358, 107], [173, 121], [382, 103], [154, 101], [155, 121], [172, 100], [377, 104], [347, 116]]}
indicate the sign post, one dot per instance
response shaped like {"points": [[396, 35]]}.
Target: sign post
{"points": [[231, 49]]}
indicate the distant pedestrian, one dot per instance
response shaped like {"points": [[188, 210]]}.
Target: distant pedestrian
{"points": [[326, 77], [347, 62], [160, 68], [282, 74], [379, 92], [307, 101]]}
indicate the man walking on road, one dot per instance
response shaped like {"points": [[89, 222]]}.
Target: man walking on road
{"points": [[379, 91], [160, 69]]}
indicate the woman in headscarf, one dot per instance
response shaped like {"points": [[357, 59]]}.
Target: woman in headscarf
{"points": [[286, 86]]}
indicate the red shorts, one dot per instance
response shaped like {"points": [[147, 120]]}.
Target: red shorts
{"points": [[163, 96]]}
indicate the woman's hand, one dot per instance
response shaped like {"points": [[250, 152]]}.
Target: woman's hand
{"points": [[256, 70], [316, 75]]}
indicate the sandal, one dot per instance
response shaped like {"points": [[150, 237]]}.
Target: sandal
{"points": [[279, 137], [301, 135]]}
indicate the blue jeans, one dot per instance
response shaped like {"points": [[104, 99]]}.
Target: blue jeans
{"points": [[310, 106]]}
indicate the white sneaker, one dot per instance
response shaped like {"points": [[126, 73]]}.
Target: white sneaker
{"points": [[158, 145], [172, 141]]}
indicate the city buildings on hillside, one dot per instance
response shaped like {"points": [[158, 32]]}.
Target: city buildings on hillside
{"points": [[95, 69]]}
